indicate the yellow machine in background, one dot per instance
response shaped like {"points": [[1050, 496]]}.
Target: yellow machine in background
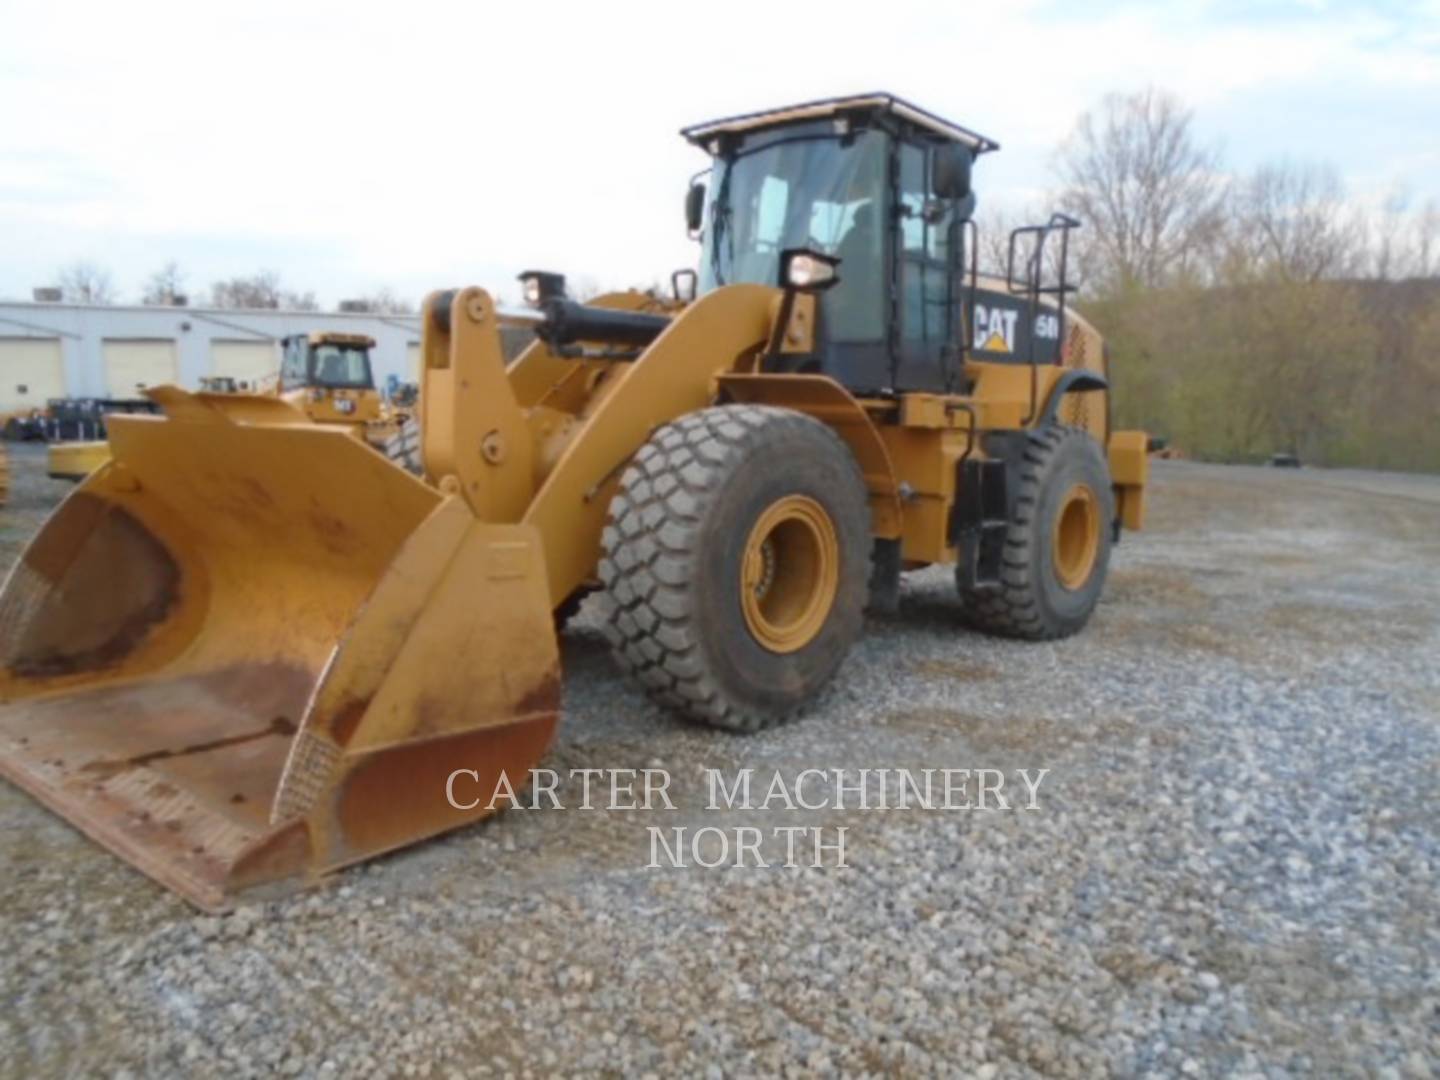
{"points": [[75, 460], [329, 378], [325, 376], [249, 648]]}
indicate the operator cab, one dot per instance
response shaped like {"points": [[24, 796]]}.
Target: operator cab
{"points": [[327, 361], [883, 186]]}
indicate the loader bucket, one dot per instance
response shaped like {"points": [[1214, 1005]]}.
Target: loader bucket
{"points": [[246, 651]]}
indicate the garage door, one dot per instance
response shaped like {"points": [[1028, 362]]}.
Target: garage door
{"points": [[31, 372], [132, 364], [246, 361], [412, 362]]}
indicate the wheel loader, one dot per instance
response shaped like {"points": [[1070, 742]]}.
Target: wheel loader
{"points": [[248, 650], [329, 377], [324, 375]]}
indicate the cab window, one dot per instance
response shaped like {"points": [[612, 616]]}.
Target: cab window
{"points": [[292, 365], [819, 192], [341, 366]]}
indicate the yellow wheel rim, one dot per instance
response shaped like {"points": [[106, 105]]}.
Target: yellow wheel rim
{"points": [[1076, 541], [789, 573]]}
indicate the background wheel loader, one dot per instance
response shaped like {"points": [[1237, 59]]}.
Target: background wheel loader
{"points": [[249, 648], [325, 376], [329, 377]]}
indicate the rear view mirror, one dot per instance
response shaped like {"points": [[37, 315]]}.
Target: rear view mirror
{"points": [[695, 207], [683, 285], [950, 171]]}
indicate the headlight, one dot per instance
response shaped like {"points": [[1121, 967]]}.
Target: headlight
{"points": [[808, 271], [345, 405], [537, 286]]}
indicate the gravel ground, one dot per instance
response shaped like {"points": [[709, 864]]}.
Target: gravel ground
{"points": [[1232, 870]]}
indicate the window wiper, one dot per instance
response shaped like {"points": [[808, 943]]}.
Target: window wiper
{"points": [[720, 228]]}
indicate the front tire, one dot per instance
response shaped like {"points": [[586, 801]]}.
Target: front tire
{"points": [[735, 562], [1057, 548]]}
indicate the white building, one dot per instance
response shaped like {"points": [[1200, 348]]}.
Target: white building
{"points": [[72, 350]]}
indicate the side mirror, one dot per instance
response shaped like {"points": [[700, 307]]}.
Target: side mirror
{"points": [[695, 208], [683, 285], [950, 171]]}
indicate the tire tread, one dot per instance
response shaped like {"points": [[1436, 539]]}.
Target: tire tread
{"points": [[1013, 609], [649, 551]]}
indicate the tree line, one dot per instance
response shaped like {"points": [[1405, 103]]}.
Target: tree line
{"points": [[1250, 314], [85, 282], [1246, 314]]}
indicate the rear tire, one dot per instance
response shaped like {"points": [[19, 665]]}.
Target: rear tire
{"points": [[1057, 550], [735, 562]]}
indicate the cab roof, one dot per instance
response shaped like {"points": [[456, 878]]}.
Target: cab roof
{"points": [[702, 134], [330, 337]]}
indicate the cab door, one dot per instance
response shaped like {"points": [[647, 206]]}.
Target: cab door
{"points": [[927, 356]]}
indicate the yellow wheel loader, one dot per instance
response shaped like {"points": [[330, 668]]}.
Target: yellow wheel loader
{"points": [[325, 376], [74, 461], [329, 377], [249, 649]]}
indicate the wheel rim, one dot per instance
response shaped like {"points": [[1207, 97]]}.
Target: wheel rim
{"points": [[1076, 541], [790, 573]]}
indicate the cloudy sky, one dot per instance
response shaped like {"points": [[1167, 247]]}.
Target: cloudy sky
{"points": [[432, 144]]}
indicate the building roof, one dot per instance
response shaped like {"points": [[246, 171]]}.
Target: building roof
{"points": [[183, 309], [810, 110]]}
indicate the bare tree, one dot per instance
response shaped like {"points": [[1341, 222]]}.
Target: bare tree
{"points": [[1402, 244], [1386, 240], [165, 287], [1427, 241], [994, 228], [1290, 221], [584, 287], [258, 291], [84, 282], [383, 301], [992, 233], [1149, 194]]}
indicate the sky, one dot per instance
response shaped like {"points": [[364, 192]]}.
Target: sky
{"points": [[425, 145]]}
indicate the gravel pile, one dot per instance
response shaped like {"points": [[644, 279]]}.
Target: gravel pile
{"points": [[1233, 869]]}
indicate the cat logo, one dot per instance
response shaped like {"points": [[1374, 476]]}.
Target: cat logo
{"points": [[995, 328]]}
